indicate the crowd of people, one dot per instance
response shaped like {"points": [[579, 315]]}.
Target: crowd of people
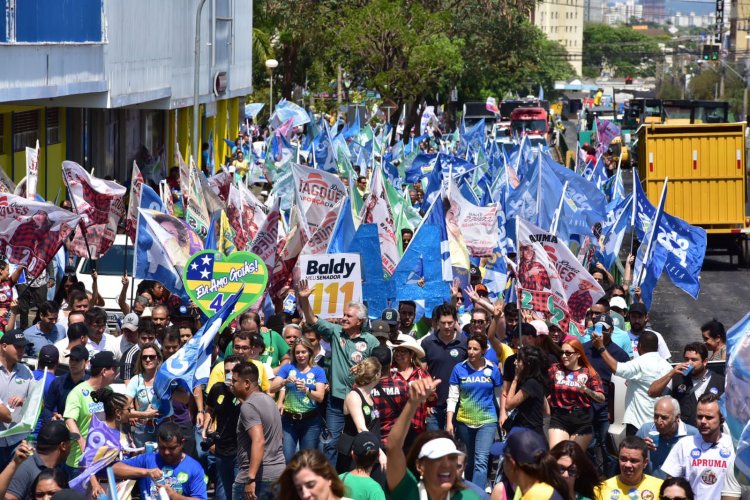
{"points": [[466, 405]]}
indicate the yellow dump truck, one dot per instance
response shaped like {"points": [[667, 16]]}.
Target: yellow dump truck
{"points": [[706, 166]]}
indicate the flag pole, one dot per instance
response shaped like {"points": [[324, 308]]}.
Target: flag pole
{"points": [[519, 291], [83, 228], [558, 212], [653, 229], [632, 216]]}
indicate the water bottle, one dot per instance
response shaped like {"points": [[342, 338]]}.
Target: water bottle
{"points": [[31, 441]]}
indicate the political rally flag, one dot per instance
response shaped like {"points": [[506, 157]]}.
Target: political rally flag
{"points": [[343, 231], [606, 131], [100, 205], [252, 109], [30, 411], [436, 215], [551, 280], [316, 193], [319, 241], [163, 246], [287, 110], [265, 244], [32, 171], [102, 448], [196, 212], [253, 212], [474, 227], [614, 231], [136, 183], [32, 232], [377, 210], [190, 366], [491, 105], [737, 387], [651, 257]]}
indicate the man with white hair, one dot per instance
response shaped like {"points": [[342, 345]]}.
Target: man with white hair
{"points": [[349, 346], [663, 433]]}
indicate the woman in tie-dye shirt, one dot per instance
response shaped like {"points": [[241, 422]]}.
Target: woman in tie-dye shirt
{"points": [[475, 387], [303, 387]]}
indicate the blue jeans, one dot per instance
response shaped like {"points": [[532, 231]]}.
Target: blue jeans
{"points": [[263, 490], [225, 470], [478, 441], [436, 421], [335, 424], [306, 433], [607, 465]]}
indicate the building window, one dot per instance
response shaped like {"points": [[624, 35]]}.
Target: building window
{"points": [[53, 126], [25, 130]]}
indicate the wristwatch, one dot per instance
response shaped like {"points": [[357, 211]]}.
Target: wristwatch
{"points": [[250, 480]]}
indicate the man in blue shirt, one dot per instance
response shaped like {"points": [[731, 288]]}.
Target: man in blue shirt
{"points": [[180, 475], [54, 400], [670, 428], [47, 331]]}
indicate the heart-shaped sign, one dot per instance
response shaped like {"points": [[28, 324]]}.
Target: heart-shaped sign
{"points": [[211, 278]]}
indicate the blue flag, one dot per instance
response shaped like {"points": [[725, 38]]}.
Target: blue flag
{"points": [[614, 232], [651, 257], [436, 216], [343, 230], [684, 245], [585, 195], [190, 366]]}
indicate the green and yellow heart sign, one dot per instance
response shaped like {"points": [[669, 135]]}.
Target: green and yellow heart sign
{"points": [[211, 278]]}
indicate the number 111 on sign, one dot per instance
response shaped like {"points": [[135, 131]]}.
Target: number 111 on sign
{"points": [[333, 296]]}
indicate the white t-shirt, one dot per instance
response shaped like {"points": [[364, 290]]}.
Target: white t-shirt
{"points": [[664, 351], [703, 464], [640, 373], [108, 343]]}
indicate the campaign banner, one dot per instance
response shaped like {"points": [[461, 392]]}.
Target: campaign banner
{"points": [[335, 281], [475, 225], [546, 264], [32, 171], [196, 213], [317, 192], [377, 210], [212, 278], [136, 185]]}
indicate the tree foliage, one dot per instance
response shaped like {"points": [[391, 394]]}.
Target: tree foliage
{"points": [[626, 51]]}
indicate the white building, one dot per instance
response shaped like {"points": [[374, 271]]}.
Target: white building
{"points": [[562, 21], [623, 12], [104, 82]]}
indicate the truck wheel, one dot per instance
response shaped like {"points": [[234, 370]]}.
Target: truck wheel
{"points": [[743, 254]]}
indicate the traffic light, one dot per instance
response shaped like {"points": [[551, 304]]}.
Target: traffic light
{"points": [[710, 52]]}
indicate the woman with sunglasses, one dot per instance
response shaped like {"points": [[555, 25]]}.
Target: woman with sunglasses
{"points": [[475, 387], [302, 388], [405, 365], [676, 488], [575, 385], [527, 393], [576, 470], [140, 391]]}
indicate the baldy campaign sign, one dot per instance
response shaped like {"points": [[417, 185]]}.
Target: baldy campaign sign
{"points": [[211, 278], [335, 280]]}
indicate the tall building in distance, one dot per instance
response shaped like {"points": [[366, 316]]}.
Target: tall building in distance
{"points": [[562, 21], [654, 10], [594, 10]]}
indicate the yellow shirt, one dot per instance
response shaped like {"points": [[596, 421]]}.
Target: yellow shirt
{"points": [[218, 375], [540, 491], [507, 351], [647, 489]]}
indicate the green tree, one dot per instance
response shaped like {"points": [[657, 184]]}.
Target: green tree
{"points": [[627, 52]]}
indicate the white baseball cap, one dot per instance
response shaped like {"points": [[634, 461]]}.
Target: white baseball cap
{"points": [[619, 303], [439, 448]]}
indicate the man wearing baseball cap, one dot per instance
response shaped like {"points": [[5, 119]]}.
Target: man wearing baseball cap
{"points": [[381, 330], [15, 385], [390, 316], [129, 329], [52, 448], [54, 400], [79, 406]]}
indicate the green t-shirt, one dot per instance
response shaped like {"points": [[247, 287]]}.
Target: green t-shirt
{"points": [[408, 488], [345, 353], [276, 348], [79, 407], [361, 487]]}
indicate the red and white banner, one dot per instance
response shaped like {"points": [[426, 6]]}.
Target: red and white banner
{"points": [[556, 284], [136, 183], [100, 205], [265, 243], [234, 215], [253, 212], [32, 232], [319, 241], [475, 225], [317, 192], [377, 210], [32, 171]]}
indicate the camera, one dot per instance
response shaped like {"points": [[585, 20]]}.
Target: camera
{"points": [[210, 440]]}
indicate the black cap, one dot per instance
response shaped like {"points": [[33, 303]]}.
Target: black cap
{"points": [[49, 354], [55, 432], [525, 446], [639, 308], [68, 494], [104, 359], [78, 353], [604, 318], [364, 443], [390, 316], [525, 329], [14, 337], [380, 328], [382, 354], [474, 271]]}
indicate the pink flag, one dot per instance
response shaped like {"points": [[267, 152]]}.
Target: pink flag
{"points": [[100, 205]]}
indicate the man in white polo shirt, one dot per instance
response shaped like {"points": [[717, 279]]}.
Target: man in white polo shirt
{"points": [[703, 459]]}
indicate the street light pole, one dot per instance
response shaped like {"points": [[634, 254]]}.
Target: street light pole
{"points": [[196, 78], [271, 64]]}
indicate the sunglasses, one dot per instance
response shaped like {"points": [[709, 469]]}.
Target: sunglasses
{"points": [[663, 497], [568, 353], [149, 357], [572, 471]]}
